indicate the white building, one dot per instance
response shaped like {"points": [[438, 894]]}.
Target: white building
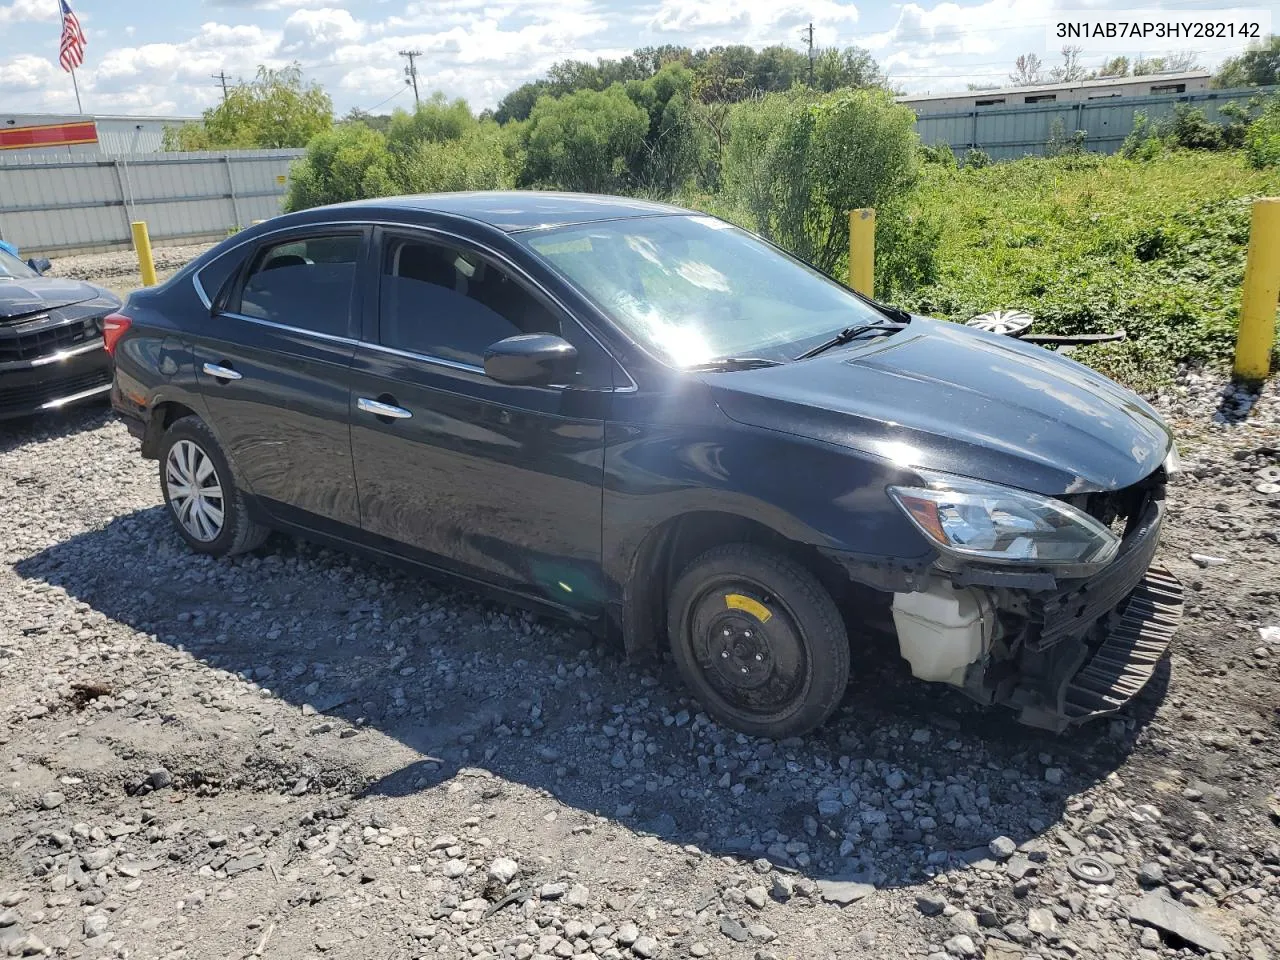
{"points": [[1108, 87], [80, 135]]}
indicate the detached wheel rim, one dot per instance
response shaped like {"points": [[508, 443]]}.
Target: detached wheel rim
{"points": [[748, 646], [195, 491]]}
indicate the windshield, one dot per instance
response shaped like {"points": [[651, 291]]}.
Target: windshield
{"points": [[11, 268], [697, 289]]}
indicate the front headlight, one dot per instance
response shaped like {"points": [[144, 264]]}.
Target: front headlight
{"points": [[1172, 462], [985, 521]]}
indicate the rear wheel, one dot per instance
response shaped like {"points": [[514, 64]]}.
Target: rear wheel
{"points": [[758, 640], [199, 490]]}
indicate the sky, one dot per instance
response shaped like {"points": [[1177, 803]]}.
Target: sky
{"points": [[160, 58]]}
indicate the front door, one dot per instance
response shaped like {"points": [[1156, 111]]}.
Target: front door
{"points": [[495, 482], [274, 366]]}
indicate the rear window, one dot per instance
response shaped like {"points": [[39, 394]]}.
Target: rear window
{"points": [[306, 283]]}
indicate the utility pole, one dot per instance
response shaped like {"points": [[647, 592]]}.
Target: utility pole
{"points": [[411, 73], [807, 36], [221, 76]]}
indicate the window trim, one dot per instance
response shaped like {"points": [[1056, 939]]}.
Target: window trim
{"points": [[370, 225], [233, 288], [445, 238]]}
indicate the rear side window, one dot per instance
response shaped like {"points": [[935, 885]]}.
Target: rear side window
{"points": [[307, 283], [441, 301]]}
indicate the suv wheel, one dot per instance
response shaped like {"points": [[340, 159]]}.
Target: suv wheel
{"points": [[204, 504], [759, 641]]}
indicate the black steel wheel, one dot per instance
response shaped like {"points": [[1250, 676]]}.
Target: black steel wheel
{"points": [[758, 640]]}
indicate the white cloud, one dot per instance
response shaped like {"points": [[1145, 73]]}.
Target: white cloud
{"points": [[308, 31], [27, 74], [748, 21], [29, 11]]}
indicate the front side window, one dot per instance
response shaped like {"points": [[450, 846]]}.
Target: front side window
{"points": [[697, 289], [441, 301], [306, 283]]}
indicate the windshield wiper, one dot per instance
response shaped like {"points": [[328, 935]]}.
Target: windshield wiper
{"points": [[848, 334], [734, 363]]}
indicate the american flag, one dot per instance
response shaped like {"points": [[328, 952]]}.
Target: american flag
{"points": [[71, 50]]}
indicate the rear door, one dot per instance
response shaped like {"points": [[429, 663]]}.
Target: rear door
{"points": [[274, 368], [497, 482]]}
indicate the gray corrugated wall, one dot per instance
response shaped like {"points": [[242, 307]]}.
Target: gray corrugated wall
{"points": [[1007, 133], [62, 204]]}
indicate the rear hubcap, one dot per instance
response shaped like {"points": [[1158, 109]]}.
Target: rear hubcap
{"points": [[195, 491]]}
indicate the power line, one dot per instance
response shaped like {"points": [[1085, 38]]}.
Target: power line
{"points": [[381, 102], [222, 77], [411, 74]]}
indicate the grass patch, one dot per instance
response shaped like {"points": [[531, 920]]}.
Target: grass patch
{"points": [[1092, 244]]}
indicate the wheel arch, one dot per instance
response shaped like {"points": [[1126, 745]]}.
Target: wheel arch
{"points": [[163, 415], [670, 546]]}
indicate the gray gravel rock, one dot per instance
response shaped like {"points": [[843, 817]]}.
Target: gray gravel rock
{"points": [[1158, 911]]}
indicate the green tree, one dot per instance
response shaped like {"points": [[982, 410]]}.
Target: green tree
{"points": [[1259, 66], [436, 120], [851, 67], [349, 162], [275, 109], [1115, 67], [585, 141], [797, 163], [670, 151]]}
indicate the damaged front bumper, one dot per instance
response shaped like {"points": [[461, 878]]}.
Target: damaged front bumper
{"points": [[1060, 652]]}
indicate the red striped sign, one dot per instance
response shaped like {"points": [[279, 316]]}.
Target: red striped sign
{"points": [[48, 135]]}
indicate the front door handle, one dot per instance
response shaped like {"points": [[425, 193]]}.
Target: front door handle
{"points": [[380, 409], [221, 373]]}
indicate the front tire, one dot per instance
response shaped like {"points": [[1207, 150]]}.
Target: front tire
{"points": [[200, 492], [759, 641]]}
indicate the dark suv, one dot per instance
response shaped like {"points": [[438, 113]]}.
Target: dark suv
{"points": [[655, 423]]}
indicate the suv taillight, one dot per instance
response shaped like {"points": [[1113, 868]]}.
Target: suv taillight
{"points": [[114, 326]]}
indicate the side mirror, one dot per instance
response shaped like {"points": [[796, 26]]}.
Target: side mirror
{"points": [[531, 360], [39, 265]]}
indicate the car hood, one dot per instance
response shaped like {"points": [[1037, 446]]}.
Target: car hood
{"points": [[940, 396], [19, 297]]}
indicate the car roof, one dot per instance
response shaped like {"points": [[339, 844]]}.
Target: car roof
{"points": [[516, 210]]}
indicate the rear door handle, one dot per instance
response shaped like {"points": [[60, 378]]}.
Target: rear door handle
{"points": [[380, 409], [221, 373]]}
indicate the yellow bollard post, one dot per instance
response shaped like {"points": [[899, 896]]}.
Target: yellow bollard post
{"points": [[142, 246], [1261, 291], [862, 250]]}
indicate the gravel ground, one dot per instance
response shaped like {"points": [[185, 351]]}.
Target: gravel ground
{"points": [[117, 270], [302, 754]]}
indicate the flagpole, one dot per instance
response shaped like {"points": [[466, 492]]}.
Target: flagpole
{"points": [[79, 109], [74, 83]]}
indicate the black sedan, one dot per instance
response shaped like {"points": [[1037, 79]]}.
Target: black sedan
{"points": [[655, 423], [51, 343]]}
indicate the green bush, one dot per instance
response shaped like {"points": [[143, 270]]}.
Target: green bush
{"points": [[1093, 245], [1262, 141], [940, 153], [585, 141], [975, 159], [797, 163], [350, 162]]}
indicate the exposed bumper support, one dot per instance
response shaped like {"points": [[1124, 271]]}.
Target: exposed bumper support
{"points": [[1059, 656], [1135, 639]]}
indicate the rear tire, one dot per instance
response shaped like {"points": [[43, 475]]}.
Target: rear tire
{"points": [[199, 489], [759, 641]]}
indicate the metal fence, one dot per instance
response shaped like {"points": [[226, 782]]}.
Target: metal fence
{"points": [[1007, 133], [76, 204]]}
